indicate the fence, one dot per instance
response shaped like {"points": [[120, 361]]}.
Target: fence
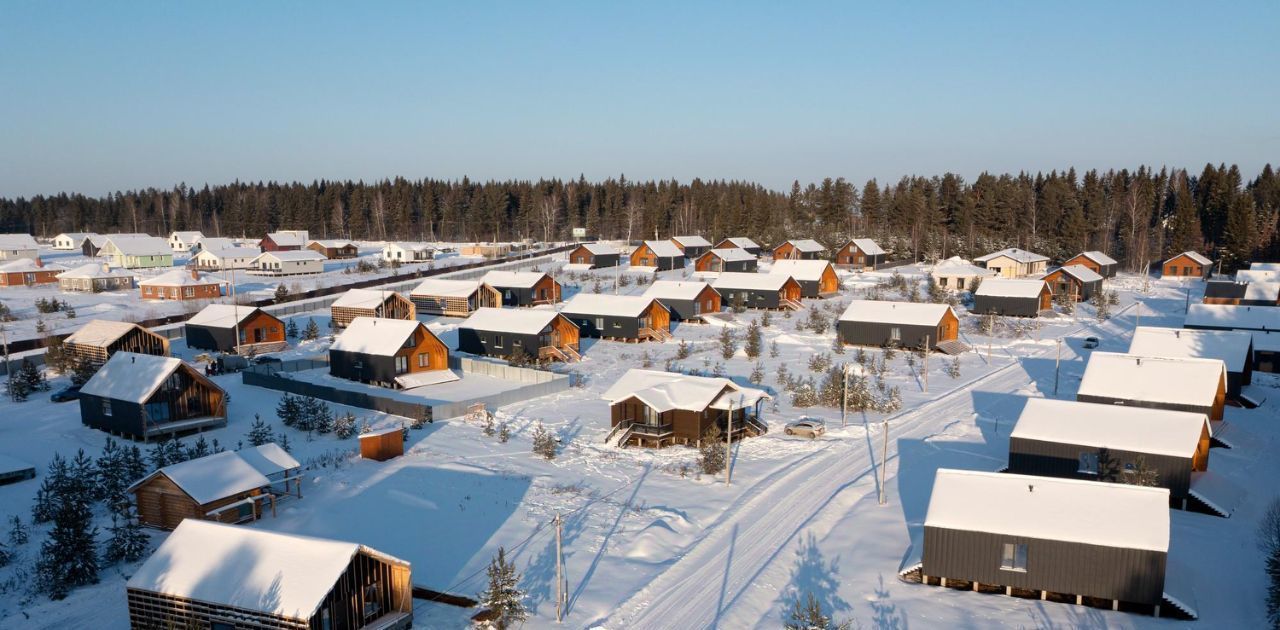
{"points": [[264, 378]]}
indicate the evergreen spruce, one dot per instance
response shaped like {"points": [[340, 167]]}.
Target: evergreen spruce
{"points": [[504, 433], [282, 292], [291, 329], [54, 485], [312, 331], [711, 455], [683, 351], [127, 541], [344, 426], [259, 432], [111, 474], [544, 443], [503, 597], [1269, 543], [289, 410], [18, 532], [69, 556], [728, 345], [755, 340]]}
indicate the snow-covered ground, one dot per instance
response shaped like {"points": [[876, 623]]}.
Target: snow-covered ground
{"points": [[650, 543]]}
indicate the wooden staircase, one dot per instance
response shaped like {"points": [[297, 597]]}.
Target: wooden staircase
{"points": [[655, 334], [619, 435], [756, 428], [794, 305]]}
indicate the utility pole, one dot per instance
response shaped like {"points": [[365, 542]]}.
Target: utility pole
{"points": [[844, 399], [728, 448], [1137, 317], [926, 364], [1186, 307], [884, 459], [4, 336], [1057, 363], [992, 331], [561, 590]]}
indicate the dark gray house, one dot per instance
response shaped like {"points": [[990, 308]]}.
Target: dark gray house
{"points": [[595, 256], [524, 288], [1233, 347], [692, 246], [1196, 385], [142, 396], [1048, 535], [740, 242], [1019, 297], [758, 290], [504, 332], [901, 324], [1230, 317], [687, 300], [1224, 291], [726, 260], [215, 328], [661, 255], [395, 353], [624, 317], [1075, 440]]}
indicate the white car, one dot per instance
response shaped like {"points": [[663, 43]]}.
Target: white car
{"points": [[811, 427]]}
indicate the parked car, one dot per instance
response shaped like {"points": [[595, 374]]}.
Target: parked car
{"points": [[1090, 343], [264, 359], [66, 394], [811, 427]]}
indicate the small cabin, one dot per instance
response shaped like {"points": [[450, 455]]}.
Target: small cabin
{"points": [[1077, 282], [380, 446], [1195, 385], [693, 246], [277, 465], [1017, 297], [1233, 347], [657, 409], [370, 303], [1096, 262], [334, 249], [732, 260], [184, 241], [688, 301], [1013, 263], [138, 252], [800, 249], [181, 284], [96, 341], [95, 278], [524, 288], [141, 397], [661, 255], [538, 334], [284, 241], [860, 254], [394, 353], [595, 256], [287, 263], [224, 487], [620, 317], [758, 290], [817, 277], [740, 242], [70, 241], [28, 272], [266, 579], [880, 323], [216, 326], [407, 252], [222, 258], [453, 298], [957, 274], [1187, 265], [15, 246]]}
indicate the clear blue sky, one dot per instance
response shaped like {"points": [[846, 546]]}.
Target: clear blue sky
{"points": [[97, 96]]}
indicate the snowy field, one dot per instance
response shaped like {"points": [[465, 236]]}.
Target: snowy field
{"points": [[650, 543]]}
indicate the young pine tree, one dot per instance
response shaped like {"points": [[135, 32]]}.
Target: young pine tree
{"points": [[810, 616], [544, 443], [127, 542], [503, 597], [711, 455], [1269, 544], [18, 532], [259, 432], [728, 345], [755, 340], [291, 330], [69, 556], [311, 332]]}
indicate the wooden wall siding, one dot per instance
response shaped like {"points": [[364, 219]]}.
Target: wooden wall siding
{"points": [[708, 301], [1182, 266], [161, 503], [582, 256], [382, 447], [659, 316], [1055, 459], [1106, 271], [1011, 306], [334, 253], [139, 340], [709, 262], [1066, 284], [427, 344], [262, 327], [196, 397], [198, 292], [346, 601], [880, 334], [1200, 461], [155, 611], [29, 278], [483, 296], [1128, 575], [851, 256], [395, 306]]}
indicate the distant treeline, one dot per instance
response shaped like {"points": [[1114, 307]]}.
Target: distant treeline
{"points": [[1137, 216]]}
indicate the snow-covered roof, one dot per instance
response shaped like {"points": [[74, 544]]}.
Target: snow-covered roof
{"points": [[293, 255], [886, 312], [957, 266], [243, 567], [1233, 316], [100, 332], [1257, 275], [1152, 379], [1262, 291], [1015, 254], [269, 459], [519, 321], [411, 380], [1136, 429], [141, 246], [187, 236], [1080, 272], [130, 376], [675, 290], [1264, 266], [221, 253], [18, 241], [26, 265], [665, 391], [76, 237], [409, 246], [867, 246], [94, 270], [289, 238], [212, 477], [740, 280], [222, 315], [1266, 340], [513, 279], [608, 305], [692, 241], [331, 243], [807, 270], [742, 242], [599, 249], [807, 245], [362, 298], [1099, 257], [732, 254], [1011, 287], [1069, 510], [9, 465], [207, 243], [1196, 256], [1230, 346], [99, 240], [664, 249], [376, 335], [446, 288]]}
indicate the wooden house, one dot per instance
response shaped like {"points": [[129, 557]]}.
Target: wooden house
{"points": [[184, 241], [453, 298], [1196, 385], [800, 249], [661, 255], [1019, 297], [657, 409], [537, 334], [1096, 262], [215, 328], [1228, 317], [957, 274], [817, 277], [1077, 440], [389, 353], [740, 242], [16, 246], [70, 241], [693, 246], [221, 487], [181, 284], [405, 252], [334, 249], [94, 243], [221, 577], [28, 272], [287, 263], [1233, 347], [382, 445], [1077, 281], [486, 250], [141, 396], [899, 324], [96, 341], [1013, 263], [524, 288], [860, 253], [595, 256], [137, 252], [207, 243], [219, 259], [1048, 536], [284, 241], [733, 260], [1187, 265], [619, 317], [687, 301], [95, 278], [370, 303], [1224, 292], [758, 290]]}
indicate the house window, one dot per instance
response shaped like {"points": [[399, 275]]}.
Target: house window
{"points": [[599, 323], [189, 292], [1186, 271], [498, 340], [1014, 557], [895, 334], [1088, 463], [106, 407], [402, 364], [423, 360]]}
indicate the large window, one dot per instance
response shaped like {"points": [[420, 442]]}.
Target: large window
{"points": [[1088, 463], [895, 334], [402, 364], [106, 407], [1014, 557], [424, 360]]}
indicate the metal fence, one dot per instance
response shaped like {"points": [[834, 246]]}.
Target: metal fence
{"points": [[271, 380]]}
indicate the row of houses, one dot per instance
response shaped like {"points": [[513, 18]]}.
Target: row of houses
{"points": [[731, 254]]}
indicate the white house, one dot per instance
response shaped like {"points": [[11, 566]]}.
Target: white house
{"points": [[957, 274], [69, 241], [1014, 262], [406, 252], [225, 258], [287, 263], [184, 241], [15, 246]]}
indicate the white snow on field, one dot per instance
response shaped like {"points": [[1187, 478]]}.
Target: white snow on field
{"points": [[651, 543]]}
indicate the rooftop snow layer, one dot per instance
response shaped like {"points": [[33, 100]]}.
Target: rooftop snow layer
{"points": [[740, 280], [1011, 287], [1152, 379], [666, 391], [1196, 256], [806, 270], [607, 305], [331, 243], [222, 315], [141, 245], [1262, 291], [600, 249], [28, 265], [513, 279], [742, 242], [1231, 346], [362, 298], [807, 245], [269, 459], [213, 477], [518, 321], [957, 266], [664, 249], [289, 238], [1266, 341], [1099, 257], [376, 335], [732, 254], [99, 240], [100, 332], [868, 246], [675, 290], [446, 288], [18, 241], [1018, 255], [130, 376], [229, 252], [180, 278], [1232, 316], [294, 255], [1135, 429], [908, 313], [94, 270], [1081, 273], [692, 241]]}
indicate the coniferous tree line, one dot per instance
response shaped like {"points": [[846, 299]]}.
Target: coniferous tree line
{"points": [[1138, 216]]}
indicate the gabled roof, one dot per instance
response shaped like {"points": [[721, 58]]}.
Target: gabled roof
{"points": [[1152, 379], [1230, 346], [18, 241], [131, 377], [25, 265], [731, 254], [286, 238], [1070, 510], [141, 246], [1013, 253], [1099, 257], [332, 243], [262, 571], [1233, 316], [188, 236], [409, 246], [1264, 266], [208, 243], [76, 237], [742, 280], [608, 305], [957, 266], [94, 270], [222, 315], [807, 245], [1262, 291], [1136, 429], [1012, 287], [517, 321], [446, 288], [376, 335], [212, 477], [229, 252], [867, 246], [1196, 256], [101, 332], [886, 312], [513, 279], [599, 249], [692, 241], [99, 240], [675, 290], [1258, 275], [363, 298], [1265, 340], [293, 255], [664, 249], [269, 459], [1079, 272], [666, 391], [742, 242], [805, 270]]}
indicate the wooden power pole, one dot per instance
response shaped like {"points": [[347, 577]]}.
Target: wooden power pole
{"points": [[562, 590]]}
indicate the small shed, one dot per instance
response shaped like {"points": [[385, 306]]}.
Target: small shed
{"points": [[221, 258], [860, 253], [595, 256], [184, 241], [334, 249], [407, 252], [661, 255], [621, 317], [656, 408], [1019, 297], [95, 278], [732, 260], [687, 301], [899, 324], [181, 284], [758, 290], [540, 334], [740, 242], [221, 487], [287, 263], [141, 396], [453, 298], [28, 272], [1013, 262], [957, 274], [1095, 261], [1196, 385], [817, 278], [800, 249], [382, 445], [15, 246], [692, 245], [284, 241], [524, 288], [1233, 347], [393, 353], [277, 465], [370, 303], [215, 327], [1077, 281], [96, 341]]}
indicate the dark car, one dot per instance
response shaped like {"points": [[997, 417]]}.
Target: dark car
{"points": [[66, 394], [1090, 343], [262, 360]]}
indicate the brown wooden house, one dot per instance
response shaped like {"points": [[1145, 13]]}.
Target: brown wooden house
{"points": [[371, 303], [654, 408], [284, 241], [817, 277], [1096, 261], [141, 396], [1076, 281], [800, 249], [219, 487], [595, 256], [181, 284], [97, 340], [740, 242], [661, 255], [26, 272], [389, 353], [215, 328], [1188, 265], [732, 260], [859, 253], [453, 298], [220, 577], [335, 249], [619, 317], [687, 301]]}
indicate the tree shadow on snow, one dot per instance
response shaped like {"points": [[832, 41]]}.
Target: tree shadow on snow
{"points": [[813, 575]]}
